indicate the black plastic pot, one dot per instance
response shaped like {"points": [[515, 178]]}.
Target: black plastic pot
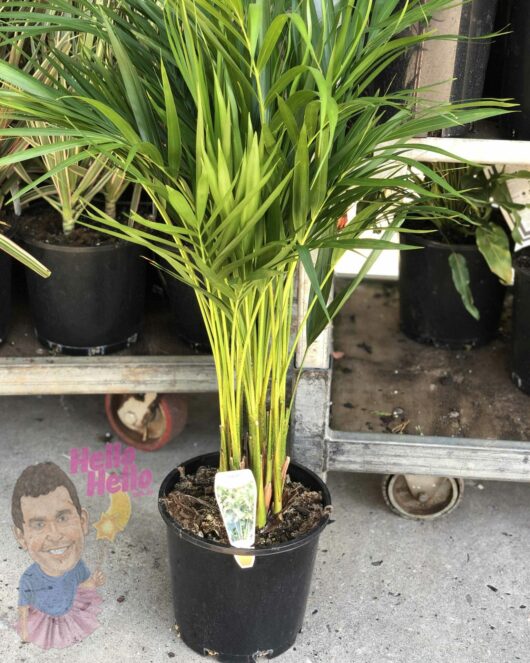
{"points": [[509, 67], [477, 19], [186, 318], [521, 324], [5, 294], [430, 308], [93, 302], [240, 614]]}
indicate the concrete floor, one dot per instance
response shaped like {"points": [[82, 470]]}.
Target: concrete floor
{"points": [[385, 589]]}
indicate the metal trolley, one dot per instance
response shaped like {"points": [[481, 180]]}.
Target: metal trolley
{"points": [[423, 475]]}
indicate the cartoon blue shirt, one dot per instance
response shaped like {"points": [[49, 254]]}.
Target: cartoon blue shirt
{"points": [[53, 595]]}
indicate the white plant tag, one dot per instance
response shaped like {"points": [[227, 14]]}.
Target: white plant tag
{"points": [[236, 495]]}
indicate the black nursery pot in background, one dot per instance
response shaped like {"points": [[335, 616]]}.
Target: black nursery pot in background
{"points": [[93, 302], [186, 319], [239, 614], [509, 66], [471, 54], [521, 323], [430, 308]]}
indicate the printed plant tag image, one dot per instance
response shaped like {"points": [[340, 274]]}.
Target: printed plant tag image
{"points": [[58, 601], [236, 495]]}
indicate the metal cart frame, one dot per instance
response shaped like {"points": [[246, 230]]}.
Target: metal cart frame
{"points": [[322, 449]]}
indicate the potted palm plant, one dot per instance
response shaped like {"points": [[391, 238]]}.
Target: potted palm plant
{"points": [[250, 127], [93, 302], [452, 292]]}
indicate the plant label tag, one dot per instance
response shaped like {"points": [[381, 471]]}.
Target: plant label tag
{"points": [[236, 495]]}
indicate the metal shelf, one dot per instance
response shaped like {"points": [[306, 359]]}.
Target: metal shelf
{"points": [[436, 456], [106, 375], [316, 444], [397, 371], [159, 362]]}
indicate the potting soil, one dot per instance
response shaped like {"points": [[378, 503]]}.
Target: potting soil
{"points": [[192, 504]]}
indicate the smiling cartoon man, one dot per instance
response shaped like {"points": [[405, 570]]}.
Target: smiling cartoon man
{"points": [[58, 601]]}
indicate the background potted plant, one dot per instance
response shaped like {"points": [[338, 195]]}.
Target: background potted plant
{"points": [[452, 291], [251, 129], [93, 303]]}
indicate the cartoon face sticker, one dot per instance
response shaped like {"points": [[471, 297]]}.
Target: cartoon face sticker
{"points": [[53, 532], [58, 601]]}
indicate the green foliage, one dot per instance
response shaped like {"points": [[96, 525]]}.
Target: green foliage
{"points": [[473, 196], [16, 252], [16, 54], [460, 274], [253, 127]]}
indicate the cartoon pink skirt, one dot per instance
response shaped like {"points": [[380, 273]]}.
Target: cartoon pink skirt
{"points": [[49, 632]]}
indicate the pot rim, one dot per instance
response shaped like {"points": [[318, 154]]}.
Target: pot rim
{"points": [[227, 549], [64, 248]]}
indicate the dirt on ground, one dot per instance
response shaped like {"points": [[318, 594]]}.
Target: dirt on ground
{"points": [[385, 382]]}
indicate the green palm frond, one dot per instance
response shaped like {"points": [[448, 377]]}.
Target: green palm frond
{"points": [[252, 126]]}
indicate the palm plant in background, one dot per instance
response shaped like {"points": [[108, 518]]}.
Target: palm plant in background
{"points": [[70, 190], [252, 126], [13, 53], [67, 190]]}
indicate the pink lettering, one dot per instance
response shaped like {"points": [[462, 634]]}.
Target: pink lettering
{"points": [[113, 483], [116, 454], [78, 460], [98, 463], [145, 479], [95, 483], [108, 456], [129, 478], [97, 460], [128, 456]]}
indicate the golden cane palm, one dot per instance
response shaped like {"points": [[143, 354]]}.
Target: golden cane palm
{"points": [[252, 126]]}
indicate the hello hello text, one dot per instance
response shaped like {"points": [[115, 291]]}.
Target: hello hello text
{"points": [[111, 470]]}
